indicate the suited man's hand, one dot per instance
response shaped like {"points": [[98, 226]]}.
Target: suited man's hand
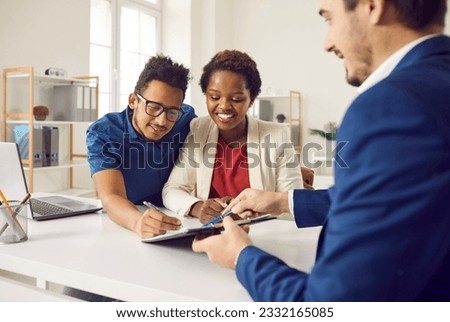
{"points": [[224, 249], [252, 201]]}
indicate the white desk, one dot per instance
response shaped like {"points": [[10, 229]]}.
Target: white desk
{"points": [[92, 253], [13, 291]]}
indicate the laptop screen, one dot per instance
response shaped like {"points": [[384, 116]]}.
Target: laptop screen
{"points": [[12, 178]]}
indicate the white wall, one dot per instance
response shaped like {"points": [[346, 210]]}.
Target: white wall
{"points": [[192, 32], [46, 33], [177, 36], [43, 34]]}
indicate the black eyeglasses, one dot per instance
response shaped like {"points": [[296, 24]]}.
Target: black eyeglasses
{"points": [[155, 109]]}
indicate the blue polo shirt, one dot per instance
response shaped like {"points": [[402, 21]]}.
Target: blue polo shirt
{"points": [[112, 143]]}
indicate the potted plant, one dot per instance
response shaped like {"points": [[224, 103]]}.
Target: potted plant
{"points": [[40, 112], [281, 118], [329, 133]]}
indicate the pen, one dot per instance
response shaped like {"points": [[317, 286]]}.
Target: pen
{"points": [[150, 205], [218, 219]]}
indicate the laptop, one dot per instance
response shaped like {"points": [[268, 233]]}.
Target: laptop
{"points": [[14, 187]]}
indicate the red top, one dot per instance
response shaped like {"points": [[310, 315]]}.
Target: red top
{"points": [[230, 175]]}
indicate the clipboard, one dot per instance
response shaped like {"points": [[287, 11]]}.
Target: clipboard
{"points": [[184, 232]]}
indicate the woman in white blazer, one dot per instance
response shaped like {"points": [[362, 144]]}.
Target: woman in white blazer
{"points": [[231, 82]]}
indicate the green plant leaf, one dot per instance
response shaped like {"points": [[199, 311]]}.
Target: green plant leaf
{"points": [[326, 135], [318, 132]]}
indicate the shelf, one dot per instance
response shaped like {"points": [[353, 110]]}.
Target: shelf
{"points": [[288, 105], [56, 81], [270, 97], [49, 122], [62, 165], [71, 98]]}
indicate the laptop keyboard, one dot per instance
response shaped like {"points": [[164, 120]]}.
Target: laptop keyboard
{"points": [[41, 207]]}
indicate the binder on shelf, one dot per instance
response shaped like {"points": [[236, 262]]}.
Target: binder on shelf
{"points": [[50, 145], [263, 110], [74, 103], [22, 137], [86, 110], [54, 150], [45, 144]]}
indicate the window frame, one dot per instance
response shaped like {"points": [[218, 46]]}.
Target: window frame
{"points": [[114, 70]]}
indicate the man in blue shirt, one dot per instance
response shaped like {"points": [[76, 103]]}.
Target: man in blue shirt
{"points": [[386, 222], [131, 153]]}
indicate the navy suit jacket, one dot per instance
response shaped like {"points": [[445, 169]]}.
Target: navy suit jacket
{"points": [[386, 232]]}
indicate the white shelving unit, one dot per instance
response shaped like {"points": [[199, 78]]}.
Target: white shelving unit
{"points": [[289, 105], [73, 105]]}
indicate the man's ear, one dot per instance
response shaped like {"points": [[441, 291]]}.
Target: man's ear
{"points": [[377, 9], [133, 101]]}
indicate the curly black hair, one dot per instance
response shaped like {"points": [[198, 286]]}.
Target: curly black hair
{"points": [[236, 62], [163, 69]]}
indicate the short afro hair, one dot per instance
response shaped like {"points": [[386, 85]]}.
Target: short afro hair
{"points": [[236, 62], [163, 69]]}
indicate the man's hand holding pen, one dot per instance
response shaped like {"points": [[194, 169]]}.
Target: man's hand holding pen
{"points": [[154, 222], [252, 203], [224, 248]]}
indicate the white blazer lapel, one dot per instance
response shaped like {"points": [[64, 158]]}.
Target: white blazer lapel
{"points": [[208, 142], [254, 154]]}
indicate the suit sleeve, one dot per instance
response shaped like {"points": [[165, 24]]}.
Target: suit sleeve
{"points": [[311, 207], [382, 240]]}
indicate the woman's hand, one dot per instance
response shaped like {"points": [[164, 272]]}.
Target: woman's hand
{"points": [[208, 209]]}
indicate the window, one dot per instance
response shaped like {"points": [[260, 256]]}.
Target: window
{"points": [[124, 34]]}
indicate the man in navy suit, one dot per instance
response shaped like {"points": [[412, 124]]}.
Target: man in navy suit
{"points": [[386, 222]]}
